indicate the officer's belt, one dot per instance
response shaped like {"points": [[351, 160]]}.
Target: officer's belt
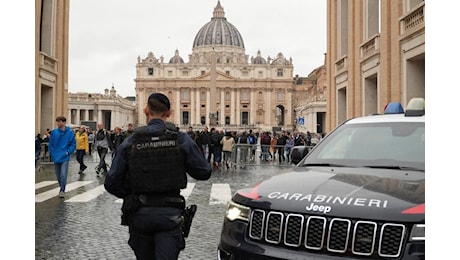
{"points": [[159, 201]]}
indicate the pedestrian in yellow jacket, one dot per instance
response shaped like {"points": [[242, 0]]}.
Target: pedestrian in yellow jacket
{"points": [[82, 147]]}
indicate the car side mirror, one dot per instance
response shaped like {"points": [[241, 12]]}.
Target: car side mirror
{"points": [[297, 153]]}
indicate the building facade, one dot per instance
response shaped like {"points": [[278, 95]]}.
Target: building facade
{"points": [[310, 101], [51, 61], [109, 108], [219, 85], [376, 55]]}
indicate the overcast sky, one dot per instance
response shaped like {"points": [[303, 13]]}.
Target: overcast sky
{"points": [[107, 36]]}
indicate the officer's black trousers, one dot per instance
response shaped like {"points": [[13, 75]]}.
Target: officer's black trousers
{"points": [[155, 233]]}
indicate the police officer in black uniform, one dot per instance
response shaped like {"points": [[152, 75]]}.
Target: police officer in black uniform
{"points": [[148, 172]]}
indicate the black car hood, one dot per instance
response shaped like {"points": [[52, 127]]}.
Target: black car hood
{"points": [[365, 193]]}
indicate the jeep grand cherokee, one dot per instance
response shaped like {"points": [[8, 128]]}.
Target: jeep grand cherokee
{"points": [[358, 194]]}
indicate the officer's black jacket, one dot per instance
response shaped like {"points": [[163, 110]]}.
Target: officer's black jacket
{"points": [[195, 163]]}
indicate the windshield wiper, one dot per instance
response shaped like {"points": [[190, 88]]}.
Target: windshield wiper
{"points": [[325, 164], [395, 167]]}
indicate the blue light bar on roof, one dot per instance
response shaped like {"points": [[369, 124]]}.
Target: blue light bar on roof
{"points": [[394, 108]]}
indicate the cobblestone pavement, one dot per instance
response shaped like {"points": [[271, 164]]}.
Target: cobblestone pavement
{"points": [[92, 230]]}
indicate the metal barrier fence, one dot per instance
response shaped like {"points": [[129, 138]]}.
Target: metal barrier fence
{"points": [[242, 155], [259, 155]]}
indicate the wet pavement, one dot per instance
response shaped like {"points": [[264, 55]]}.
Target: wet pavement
{"points": [[86, 224]]}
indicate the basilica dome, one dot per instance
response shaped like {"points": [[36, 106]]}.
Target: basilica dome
{"points": [[176, 59], [218, 31], [259, 59]]}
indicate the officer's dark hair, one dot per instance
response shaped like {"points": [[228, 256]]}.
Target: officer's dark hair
{"points": [[158, 103]]}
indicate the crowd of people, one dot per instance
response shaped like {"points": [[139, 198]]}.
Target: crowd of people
{"points": [[88, 141], [215, 145]]}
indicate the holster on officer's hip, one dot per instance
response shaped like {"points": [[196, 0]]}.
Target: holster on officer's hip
{"points": [[130, 204], [188, 214]]}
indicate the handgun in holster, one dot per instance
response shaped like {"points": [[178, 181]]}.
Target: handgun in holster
{"points": [[188, 214]]}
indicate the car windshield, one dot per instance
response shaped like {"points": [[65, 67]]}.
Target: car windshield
{"points": [[395, 145]]}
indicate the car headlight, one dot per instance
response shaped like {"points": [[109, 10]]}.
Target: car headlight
{"points": [[417, 233], [236, 211]]}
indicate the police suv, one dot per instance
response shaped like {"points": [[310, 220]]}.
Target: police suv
{"points": [[358, 194]]}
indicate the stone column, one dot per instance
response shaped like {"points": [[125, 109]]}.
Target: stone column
{"points": [[177, 112], [198, 106], [77, 117], [238, 106], [114, 115], [268, 108], [222, 107], [69, 116], [99, 115], [192, 107], [232, 106]]}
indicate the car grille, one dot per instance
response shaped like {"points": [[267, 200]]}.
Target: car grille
{"points": [[326, 234]]}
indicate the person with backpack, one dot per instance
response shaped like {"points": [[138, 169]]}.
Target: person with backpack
{"points": [[253, 141], [216, 137], [102, 143]]}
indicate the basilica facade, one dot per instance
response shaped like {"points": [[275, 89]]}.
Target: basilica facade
{"points": [[220, 85]]}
